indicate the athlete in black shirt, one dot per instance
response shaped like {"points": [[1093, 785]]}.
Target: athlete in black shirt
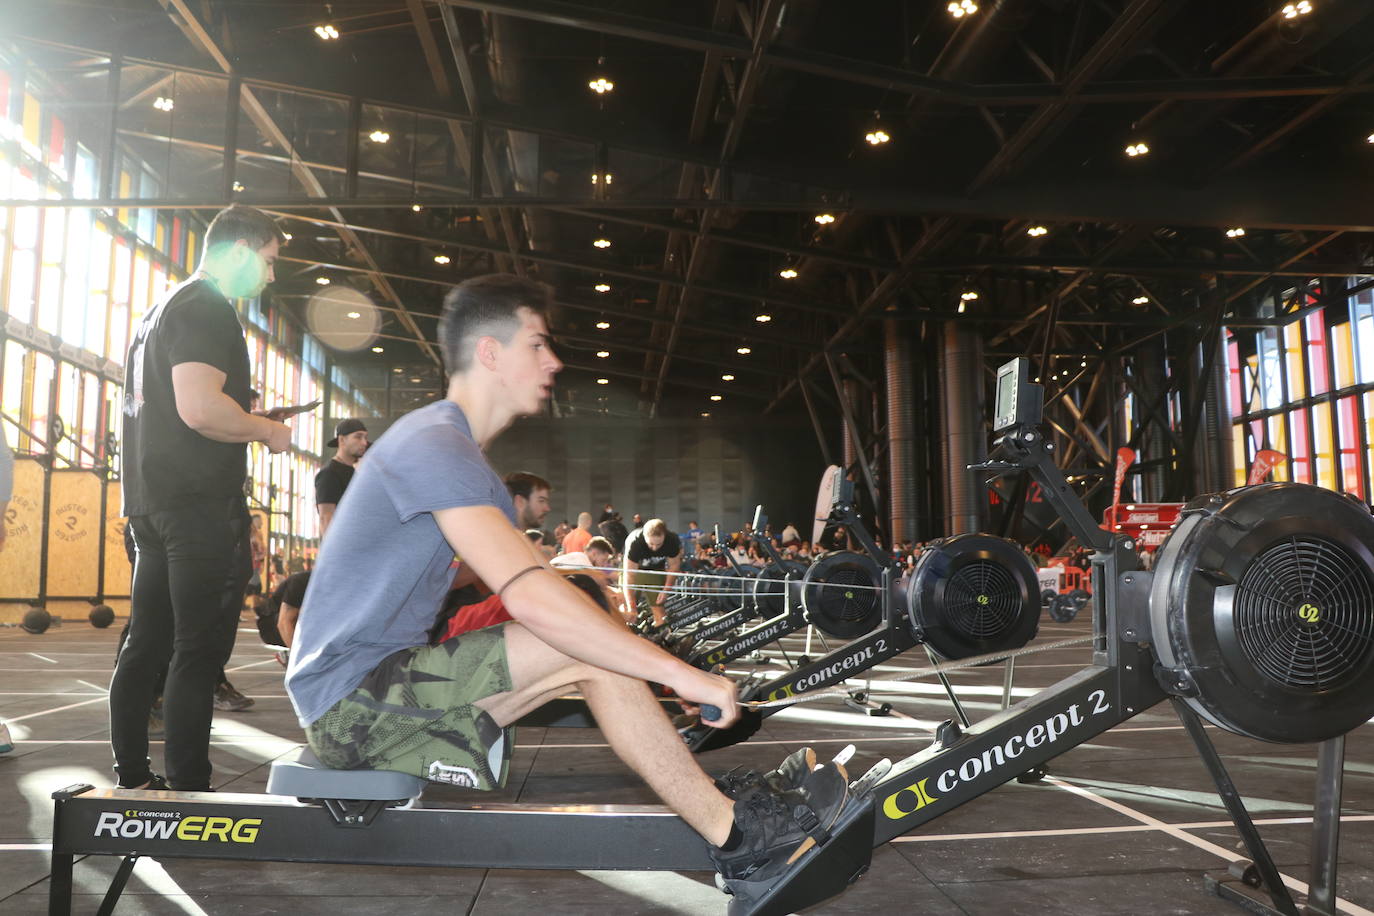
{"points": [[186, 429], [350, 438], [658, 552]]}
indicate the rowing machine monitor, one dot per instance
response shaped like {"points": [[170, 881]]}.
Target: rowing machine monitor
{"points": [[1019, 401]]}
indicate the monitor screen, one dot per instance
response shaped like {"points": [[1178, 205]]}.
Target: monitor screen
{"points": [[1006, 395]]}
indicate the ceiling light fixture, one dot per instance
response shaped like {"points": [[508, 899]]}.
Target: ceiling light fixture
{"points": [[398, 370], [355, 315], [601, 243], [1036, 231], [961, 8], [877, 137], [379, 136], [416, 207], [602, 354], [323, 281], [605, 178], [288, 236], [705, 414], [441, 259], [788, 273], [1137, 149], [599, 83], [763, 319], [727, 377], [163, 103], [603, 325], [238, 186], [327, 32], [743, 351], [1235, 232], [963, 307], [969, 295], [415, 379], [378, 349], [1140, 300], [602, 287], [715, 397], [825, 219], [1294, 10], [603, 381]]}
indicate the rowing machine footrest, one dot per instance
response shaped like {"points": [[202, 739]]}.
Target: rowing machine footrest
{"points": [[306, 777], [824, 872]]}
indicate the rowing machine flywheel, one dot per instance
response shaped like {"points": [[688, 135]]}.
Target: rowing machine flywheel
{"points": [[739, 592], [973, 593], [773, 594], [1262, 611], [842, 594]]}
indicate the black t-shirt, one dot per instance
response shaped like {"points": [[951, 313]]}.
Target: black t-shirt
{"points": [[290, 590], [637, 550], [166, 463], [331, 482]]}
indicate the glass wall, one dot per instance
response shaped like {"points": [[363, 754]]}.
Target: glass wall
{"points": [[1306, 390], [74, 282]]}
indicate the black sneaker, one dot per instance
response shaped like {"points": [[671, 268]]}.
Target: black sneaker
{"points": [[788, 775], [228, 699], [780, 827]]}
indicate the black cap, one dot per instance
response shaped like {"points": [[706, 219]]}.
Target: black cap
{"points": [[343, 429]]}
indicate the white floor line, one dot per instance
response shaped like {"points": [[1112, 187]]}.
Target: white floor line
{"points": [[94, 686], [47, 712], [43, 657], [25, 847], [1124, 828], [1347, 908], [266, 661]]}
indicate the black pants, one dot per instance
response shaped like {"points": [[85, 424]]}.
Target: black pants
{"points": [[180, 621]]}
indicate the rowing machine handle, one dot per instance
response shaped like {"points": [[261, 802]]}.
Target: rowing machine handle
{"points": [[710, 713]]}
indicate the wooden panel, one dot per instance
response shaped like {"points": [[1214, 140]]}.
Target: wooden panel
{"points": [[118, 572], [74, 532], [23, 552]]}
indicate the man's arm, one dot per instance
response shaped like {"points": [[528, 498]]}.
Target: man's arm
{"points": [[203, 406], [674, 566], [286, 623], [326, 513], [562, 616]]}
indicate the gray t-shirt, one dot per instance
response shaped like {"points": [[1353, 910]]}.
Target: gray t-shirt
{"points": [[383, 571]]}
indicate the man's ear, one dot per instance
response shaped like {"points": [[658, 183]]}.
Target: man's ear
{"points": [[488, 348]]}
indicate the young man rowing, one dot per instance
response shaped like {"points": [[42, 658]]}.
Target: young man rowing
{"points": [[370, 691]]}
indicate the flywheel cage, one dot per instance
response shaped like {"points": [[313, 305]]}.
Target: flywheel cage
{"points": [[842, 594], [1302, 614]]}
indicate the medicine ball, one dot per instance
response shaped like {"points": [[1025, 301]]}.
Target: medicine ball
{"points": [[36, 620], [102, 615]]}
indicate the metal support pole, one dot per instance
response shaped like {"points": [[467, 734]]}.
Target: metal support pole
{"points": [[121, 878], [232, 99], [815, 420], [949, 688], [1326, 827], [1008, 675], [1235, 806], [108, 163], [853, 429], [355, 126]]}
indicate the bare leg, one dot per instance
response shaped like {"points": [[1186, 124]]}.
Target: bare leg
{"points": [[632, 720]]}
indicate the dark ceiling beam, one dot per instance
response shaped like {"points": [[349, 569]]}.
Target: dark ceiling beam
{"points": [[199, 37], [764, 27], [897, 79], [703, 107], [570, 261], [738, 239], [1273, 135], [601, 343], [497, 223], [727, 392], [1135, 23], [736, 335]]}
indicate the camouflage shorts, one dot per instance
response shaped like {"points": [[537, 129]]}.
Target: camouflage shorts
{"points": [[414, 713]]}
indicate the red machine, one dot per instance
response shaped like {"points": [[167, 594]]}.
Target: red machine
{"points": [[1149, 523]]}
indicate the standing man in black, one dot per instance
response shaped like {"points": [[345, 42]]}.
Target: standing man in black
{"points": [[658, 553], [186, 428], [350, 440]]}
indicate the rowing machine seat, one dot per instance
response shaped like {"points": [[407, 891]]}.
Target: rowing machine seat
{"points": [[306, 777]]}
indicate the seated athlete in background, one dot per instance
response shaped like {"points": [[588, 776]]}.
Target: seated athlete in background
{"points": [[370, 691]]}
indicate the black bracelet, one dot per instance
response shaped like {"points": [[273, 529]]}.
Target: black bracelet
{"points": [[525, 571]]}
